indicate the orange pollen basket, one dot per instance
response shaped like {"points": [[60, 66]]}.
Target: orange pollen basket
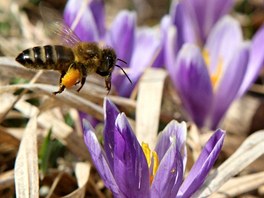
{"points": [[71, 77]]}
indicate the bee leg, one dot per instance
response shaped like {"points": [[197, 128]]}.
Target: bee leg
{"points": [[62, 87], [108, 83], [62, 75], [82, 83], [84, 74]]}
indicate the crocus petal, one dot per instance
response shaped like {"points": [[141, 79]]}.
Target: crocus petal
{"points": [[173, 129], [86, 29], [230, 84], [98, 10], [203, 164], [186, 28], [193, 83], [121, 37], [99, 159], [223, 41], [170, 50], [256, 61], [165, 24], [122, 34], [207, 13], [169, 176], [130, 165], [92, 120], [111, 113], [216, 9], [145, 48]]}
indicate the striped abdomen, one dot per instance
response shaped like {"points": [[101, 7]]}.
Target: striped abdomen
{"points": [[55, 57]]}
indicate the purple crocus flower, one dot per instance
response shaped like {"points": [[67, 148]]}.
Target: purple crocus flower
{"points": [[203, 14], [86, 19], [135, 46], [208, 80], [193, 20], [130, 170]]}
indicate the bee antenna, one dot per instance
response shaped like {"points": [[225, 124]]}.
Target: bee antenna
{"points": [[124, 73], [121, 60]]}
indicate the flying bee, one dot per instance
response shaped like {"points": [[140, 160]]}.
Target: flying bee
{"points": [[74, 60]]}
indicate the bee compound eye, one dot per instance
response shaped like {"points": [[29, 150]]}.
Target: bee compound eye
{"points": [[110, 61]]}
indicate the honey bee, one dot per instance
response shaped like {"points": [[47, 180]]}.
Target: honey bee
{"points": [[74, 60]]}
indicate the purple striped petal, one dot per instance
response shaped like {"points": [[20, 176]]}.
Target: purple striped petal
{"points": [[170, 49], [86, 29], [215, 11], [165, 24], [98, 10], [256, 61], [186, 28], [193, 83], [207, 13], [173, 129], [145, 48], [122, 38], [169, 176], [229, 84], [130, 165], [111, 113], [203, 165], [99, 158], [93, 121], [122, 35], [227, 32]]}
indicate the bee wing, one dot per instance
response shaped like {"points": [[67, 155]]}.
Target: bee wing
{"points": [[65, 33], [56, 27]]}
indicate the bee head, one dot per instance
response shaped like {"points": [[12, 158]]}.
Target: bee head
{"points": [[107, 62]]}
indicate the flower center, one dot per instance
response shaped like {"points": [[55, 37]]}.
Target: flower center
{"points": [[152, 160], [215, 77]]}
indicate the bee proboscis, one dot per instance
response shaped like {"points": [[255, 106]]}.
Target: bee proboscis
{"points": [[74, 60]]}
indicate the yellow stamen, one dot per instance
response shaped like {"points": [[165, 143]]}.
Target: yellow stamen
{"points": [[147, 152], [152, 159], [206, 57], [155, 158], [215, 77]]}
